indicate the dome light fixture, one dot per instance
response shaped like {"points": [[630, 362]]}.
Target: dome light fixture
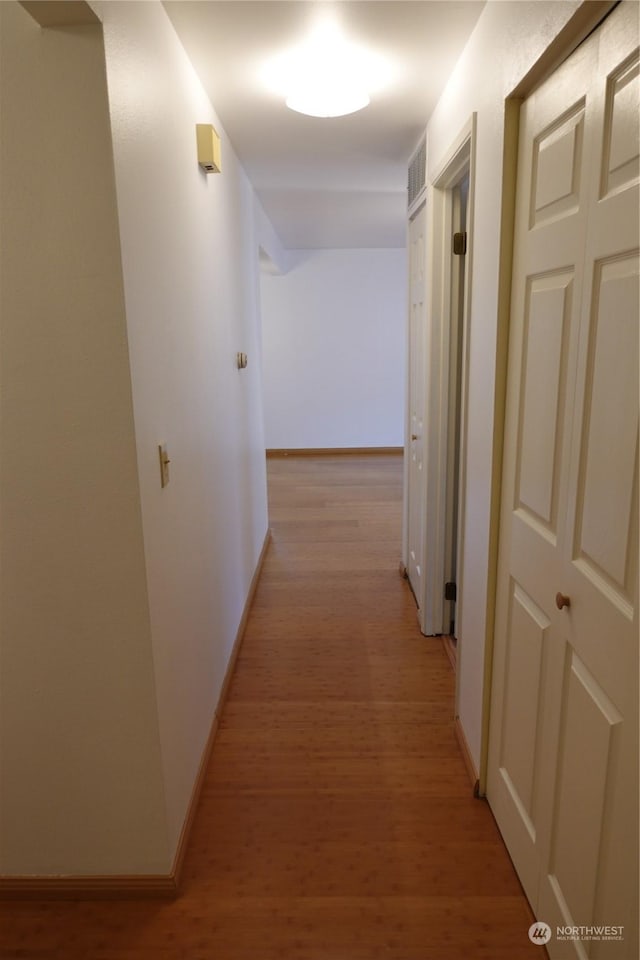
{"points": [[326, 76], [329, 100]]}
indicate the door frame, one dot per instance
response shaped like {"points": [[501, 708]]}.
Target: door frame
{"points": [[457, 162]]}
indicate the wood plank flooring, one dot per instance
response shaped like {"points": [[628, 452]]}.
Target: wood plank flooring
{"points": [[336, 821]]}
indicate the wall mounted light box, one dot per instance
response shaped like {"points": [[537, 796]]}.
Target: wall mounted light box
{"points": [[208, 148]]}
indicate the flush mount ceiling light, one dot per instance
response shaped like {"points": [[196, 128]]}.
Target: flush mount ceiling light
{"points": [[333, 99], [326, 76]]}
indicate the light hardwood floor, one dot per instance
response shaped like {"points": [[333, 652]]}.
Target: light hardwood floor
{"points": [[337, 820]]}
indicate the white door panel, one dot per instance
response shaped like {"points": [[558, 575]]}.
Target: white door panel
{"points": [[548, 306], [563, 753]]}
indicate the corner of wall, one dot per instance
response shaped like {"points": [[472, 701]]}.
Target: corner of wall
{"points": [[79, 724]]}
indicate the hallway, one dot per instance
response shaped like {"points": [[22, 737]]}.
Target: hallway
{"points": [[336, 820]]}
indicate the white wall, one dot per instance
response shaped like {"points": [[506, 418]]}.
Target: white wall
{"points": [[190, 258], [120, 326], [81, 780], [334, 330], [508, 39], [273, 256]]}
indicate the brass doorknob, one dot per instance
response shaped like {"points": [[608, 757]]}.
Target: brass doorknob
{"points": [[562, 601], [414, 436]]}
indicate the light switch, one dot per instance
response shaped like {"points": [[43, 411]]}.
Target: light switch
{"points": [[164, 465]]}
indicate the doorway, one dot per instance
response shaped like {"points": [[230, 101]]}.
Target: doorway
{"points": [[415, 499], [459, 200], [443, 344]]}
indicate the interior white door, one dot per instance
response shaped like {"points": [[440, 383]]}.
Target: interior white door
{"points": [[417, 367], [563, 749]]}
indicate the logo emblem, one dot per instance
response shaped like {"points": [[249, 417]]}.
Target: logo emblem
{"points": [[539, 933]]}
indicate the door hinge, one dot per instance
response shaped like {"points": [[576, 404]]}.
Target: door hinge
{"points": [[460, 244], [450, 591]]}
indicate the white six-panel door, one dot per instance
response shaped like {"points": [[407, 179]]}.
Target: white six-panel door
{"points": [[563, 752]]}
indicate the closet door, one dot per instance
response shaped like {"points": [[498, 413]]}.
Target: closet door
{"points": [[563, 762]]}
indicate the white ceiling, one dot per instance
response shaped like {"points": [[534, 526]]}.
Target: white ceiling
{"points": [[326, 182]]}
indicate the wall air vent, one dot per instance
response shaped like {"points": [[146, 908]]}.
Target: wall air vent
{"points": [[417, 173]]}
